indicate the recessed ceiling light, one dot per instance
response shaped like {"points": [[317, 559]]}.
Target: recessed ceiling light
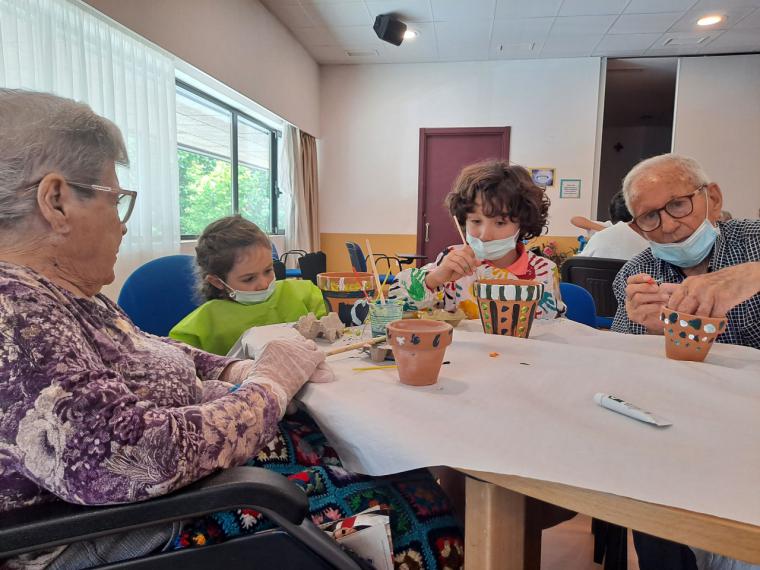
{"points": [[410, 34], [709, 20]]}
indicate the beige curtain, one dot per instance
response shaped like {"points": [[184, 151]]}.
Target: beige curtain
{"points": [[298, 179], [310, 216]]}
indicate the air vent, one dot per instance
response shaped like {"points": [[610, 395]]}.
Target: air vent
{"points": [[523, 47], [686, 41], [361, 53]]}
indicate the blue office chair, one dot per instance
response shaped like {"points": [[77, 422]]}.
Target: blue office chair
{"points": [[160, 293], [580, 304], [289, 273], [359, 262]]}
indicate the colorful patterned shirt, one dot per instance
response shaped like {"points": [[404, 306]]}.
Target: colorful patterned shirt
{"points": [[410, 285], [737, 243], [95, 411]]}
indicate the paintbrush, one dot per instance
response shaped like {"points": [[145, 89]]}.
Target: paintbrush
{"points": [[459, 229], [374, 270], [356, 345]]}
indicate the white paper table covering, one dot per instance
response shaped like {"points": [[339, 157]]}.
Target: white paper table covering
{"points": [[538, 419]]}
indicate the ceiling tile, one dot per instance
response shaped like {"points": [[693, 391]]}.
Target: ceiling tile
{"points": [[407, 10], [338, 14], [515, 32], [624, 43], [315, 36], [651, 6], [592, 7], [644, 23], [725, 4], [582, 25], [355, 35], [751, 22], [292, 15], [570, 46], [731, 17], [462, 10], [737, 40], [523, 9], [477, 31]]}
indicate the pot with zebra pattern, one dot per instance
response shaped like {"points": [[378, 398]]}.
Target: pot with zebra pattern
{"points": [[419, 346], [508, 306]]}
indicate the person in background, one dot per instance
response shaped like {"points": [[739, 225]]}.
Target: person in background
{"points": [[498, 206], [618, 241], [695, 264], [236, 281]]}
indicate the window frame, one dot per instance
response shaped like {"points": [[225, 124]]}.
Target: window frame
{"points": [[274, 135]]}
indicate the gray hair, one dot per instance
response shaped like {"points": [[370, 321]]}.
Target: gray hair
{"points": [[42, 133], [689, 166]]}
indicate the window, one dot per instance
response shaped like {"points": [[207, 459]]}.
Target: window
{"points": [[227, 164]]}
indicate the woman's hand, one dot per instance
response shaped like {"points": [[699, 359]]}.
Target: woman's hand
{"points": [[289, 363], [455, 264], [714, 294], [644, 299]]}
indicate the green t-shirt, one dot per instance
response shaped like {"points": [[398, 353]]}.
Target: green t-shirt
{"points": [[216, 325]]}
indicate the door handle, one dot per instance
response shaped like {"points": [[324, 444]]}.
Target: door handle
{"points": [[427, 232]]}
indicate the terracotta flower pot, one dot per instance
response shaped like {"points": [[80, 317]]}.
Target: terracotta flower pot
{"points": [[418, 346], [508, 306], [689, 337], [344, 293]]}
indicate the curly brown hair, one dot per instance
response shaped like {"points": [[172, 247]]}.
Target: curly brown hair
{"points": [[504, 190], [218, 248]]}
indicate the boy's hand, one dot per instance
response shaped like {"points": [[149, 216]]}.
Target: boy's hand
{"points": [[455, 264]]}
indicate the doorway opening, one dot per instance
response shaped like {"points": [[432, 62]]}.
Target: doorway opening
{"points": [[639, 102]]}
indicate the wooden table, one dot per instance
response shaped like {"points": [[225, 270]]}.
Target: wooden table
{"points": [[497, 534]]}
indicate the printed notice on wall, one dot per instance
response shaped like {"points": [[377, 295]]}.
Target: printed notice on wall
{"points": [[569, 188]]}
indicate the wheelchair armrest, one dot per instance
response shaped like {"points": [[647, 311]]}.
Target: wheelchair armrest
{"points": [[52, 524]]}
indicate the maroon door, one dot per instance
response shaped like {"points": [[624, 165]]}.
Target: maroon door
{"points": [[443, 153]]}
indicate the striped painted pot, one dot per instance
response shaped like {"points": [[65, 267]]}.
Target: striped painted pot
{"points": [[508, 307]]}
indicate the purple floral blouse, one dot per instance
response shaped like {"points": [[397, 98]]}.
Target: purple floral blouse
{"points": [[95, 411]]}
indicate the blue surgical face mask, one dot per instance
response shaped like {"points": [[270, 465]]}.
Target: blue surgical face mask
{"points": [[494, 249], [251, 297], [693, 250]]}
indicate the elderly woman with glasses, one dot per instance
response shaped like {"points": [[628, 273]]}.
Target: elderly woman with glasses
{"points": [[94, 411]]}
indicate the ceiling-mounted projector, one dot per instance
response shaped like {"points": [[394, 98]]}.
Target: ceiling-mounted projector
{"points": [[390, 29]]}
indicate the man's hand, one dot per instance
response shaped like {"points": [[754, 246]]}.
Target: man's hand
{"points": [[455, 264], [714, 294], [644, 299]]}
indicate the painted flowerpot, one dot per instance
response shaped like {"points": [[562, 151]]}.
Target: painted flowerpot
{"points": [[508, 306], [689, 337], [419, 346], [344, 293]]}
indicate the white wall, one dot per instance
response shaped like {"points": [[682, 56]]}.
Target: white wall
{"points": [[237, 42], [371, 116], [717, 121]]}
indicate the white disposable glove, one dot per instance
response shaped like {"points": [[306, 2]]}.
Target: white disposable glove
{"points": [[285, 365]]}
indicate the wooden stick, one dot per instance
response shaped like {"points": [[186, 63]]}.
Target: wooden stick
{"points": [[366, 368], [459, 229], [356, 345], [374, 270]]}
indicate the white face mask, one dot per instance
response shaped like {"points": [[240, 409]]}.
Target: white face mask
{"points": [[494, 249], [251, 297]]}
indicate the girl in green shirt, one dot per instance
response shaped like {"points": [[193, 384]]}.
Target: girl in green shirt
{"points": [[236, 278]]}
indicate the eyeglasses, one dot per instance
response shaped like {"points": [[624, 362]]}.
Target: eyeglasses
{"points": [[677, 208], [125, 199]]}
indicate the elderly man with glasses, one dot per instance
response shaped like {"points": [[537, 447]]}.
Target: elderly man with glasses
{"points": [[697, 264], [694, 262]]}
